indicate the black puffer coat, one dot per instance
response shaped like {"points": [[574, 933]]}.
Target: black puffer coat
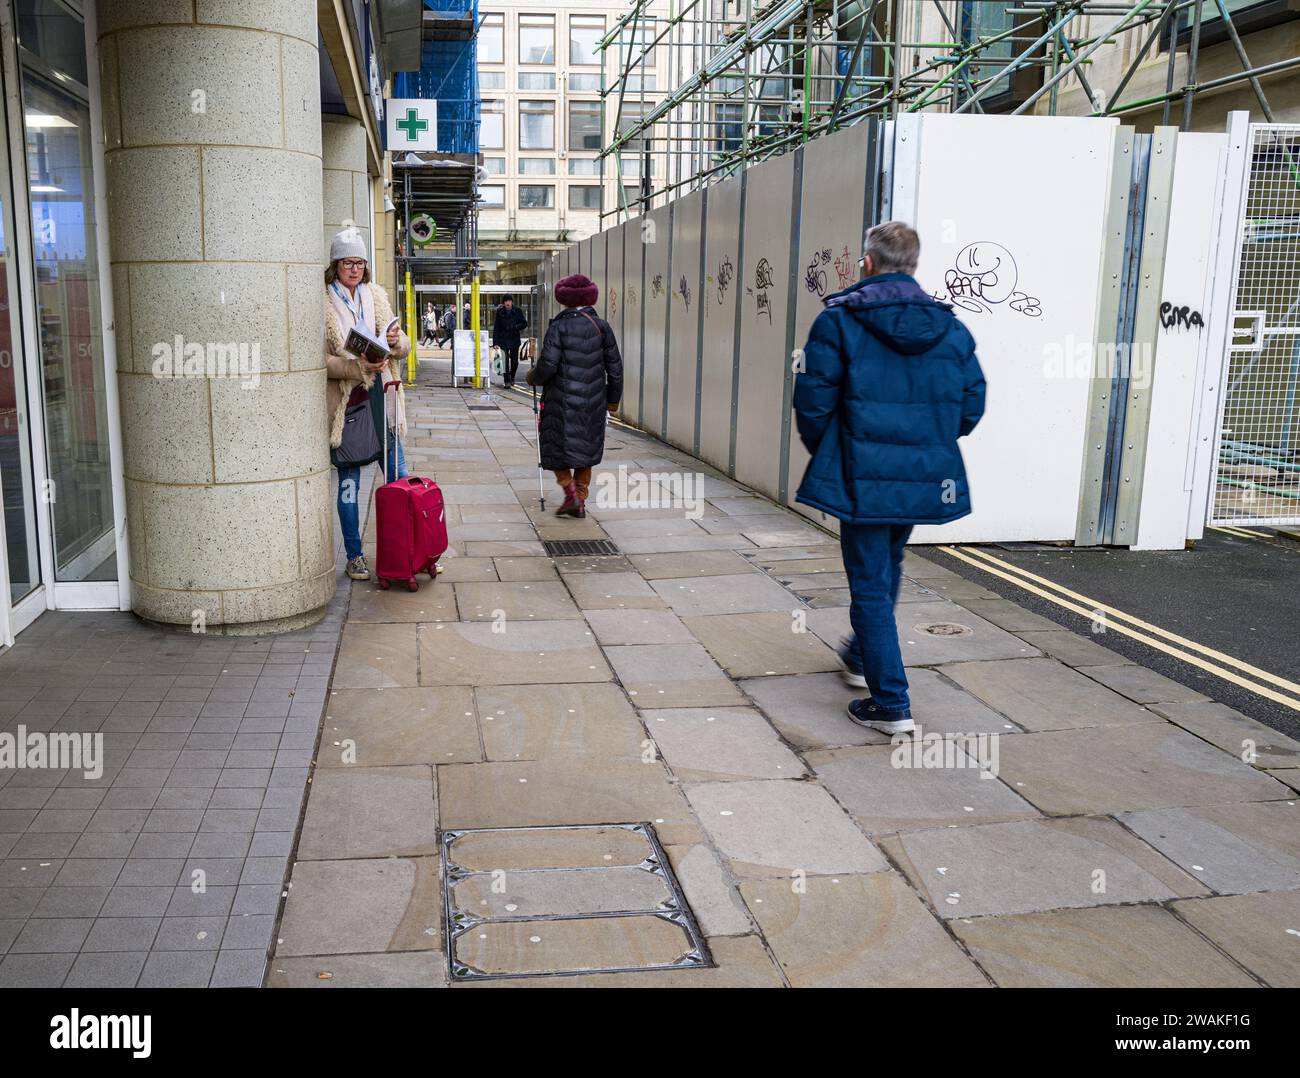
{"points": [[581, 373]]}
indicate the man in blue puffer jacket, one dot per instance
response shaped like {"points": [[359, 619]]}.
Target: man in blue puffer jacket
{"points": [[890, 382]]}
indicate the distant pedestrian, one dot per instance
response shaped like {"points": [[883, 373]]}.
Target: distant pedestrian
{"points": [[430, 324], [890, 383], [581, 375], [447, 325], [506, 336], [468, 314]]}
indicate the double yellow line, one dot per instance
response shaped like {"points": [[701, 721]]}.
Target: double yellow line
{"points": [[1204, 658]]}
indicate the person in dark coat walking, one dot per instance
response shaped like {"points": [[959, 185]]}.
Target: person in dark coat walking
{"points": [[505, 335], [447, 326], [581, 375], [890, 383]]}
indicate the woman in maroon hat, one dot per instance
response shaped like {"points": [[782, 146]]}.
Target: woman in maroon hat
{"points": [[581, 375]]}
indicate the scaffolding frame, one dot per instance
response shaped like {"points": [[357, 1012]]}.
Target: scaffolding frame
{"points": [[765, 81]]}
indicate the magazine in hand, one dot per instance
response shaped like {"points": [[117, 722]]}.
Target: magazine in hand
{"points": [[362, 344]]}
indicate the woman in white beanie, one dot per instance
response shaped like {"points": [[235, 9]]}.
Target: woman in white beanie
{"points": [[350, 300]]}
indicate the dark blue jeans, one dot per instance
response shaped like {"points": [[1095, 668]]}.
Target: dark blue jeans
{"points": [[873, 560], [350, 488]]}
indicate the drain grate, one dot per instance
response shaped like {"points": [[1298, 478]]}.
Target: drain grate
{"points": [[564, 900], [565, 548]]}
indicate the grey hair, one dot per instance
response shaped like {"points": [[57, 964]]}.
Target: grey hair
{"points": [[893, 247]]}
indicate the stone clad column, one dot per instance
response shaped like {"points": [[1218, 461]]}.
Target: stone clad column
{"points": [[344, 179], [213, 130]]}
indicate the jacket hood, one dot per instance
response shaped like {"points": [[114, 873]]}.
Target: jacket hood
{"points": [[895, 309]]}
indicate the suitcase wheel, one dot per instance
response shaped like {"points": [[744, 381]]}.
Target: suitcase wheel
{"points": [[383, 584], [412, 585]]}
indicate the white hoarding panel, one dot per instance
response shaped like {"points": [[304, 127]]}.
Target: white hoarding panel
{"points": [[683, 342], [718, 295], [655, 233], [1012, 211], [633, 273]]}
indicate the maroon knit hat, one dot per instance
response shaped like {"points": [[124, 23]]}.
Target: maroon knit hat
{"points": [[576, 291]]}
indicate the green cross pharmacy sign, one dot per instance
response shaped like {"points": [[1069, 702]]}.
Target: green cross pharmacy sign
{"points": [[412, 123]]}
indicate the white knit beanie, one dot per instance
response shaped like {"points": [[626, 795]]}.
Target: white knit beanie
{"points": [[348, 243]]}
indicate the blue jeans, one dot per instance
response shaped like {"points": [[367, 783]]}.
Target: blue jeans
{"points": [[873, 560], [349, 494]]}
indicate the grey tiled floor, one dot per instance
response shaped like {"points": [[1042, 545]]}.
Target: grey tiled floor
{"points": [[168, 869]]}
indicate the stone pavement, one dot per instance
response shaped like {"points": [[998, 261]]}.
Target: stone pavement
{"points": [[691, 682]]}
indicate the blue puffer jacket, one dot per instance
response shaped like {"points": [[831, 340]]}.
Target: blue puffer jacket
{"points": [[891, 382]]}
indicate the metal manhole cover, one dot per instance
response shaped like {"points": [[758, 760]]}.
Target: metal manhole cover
{"points": [[563, 548], [564, 900], [945, 628]]}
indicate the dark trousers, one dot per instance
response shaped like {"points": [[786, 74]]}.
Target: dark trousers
{"points": [[511, 354], [873, 560]]}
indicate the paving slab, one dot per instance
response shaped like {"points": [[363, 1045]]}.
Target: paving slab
{"points": [[1008, 615], [454, 570], [774, 828], [1261, 931], [548, 847], [515, 601], [770, 556], [672, 675], [376, 727], [755, 645], [741, 593], [809, 709], [1073, 649], [534, 722], [519, 549], [611, 591], [698, 563], [526, 569], [531, 652], [435, 601], [710, 891], [857, 932], [638, 627], [1124, 768], [663, 544], [883, 796], [576, 790], [345, 906], [1032, 865], [724, 743], [376, 656], [1228, 847], [619, 530], [370, 812], [1141, 685], [405, 970], [1104, 947], [976, 638], [1233, 732], [506, 947], [1044, 694]]}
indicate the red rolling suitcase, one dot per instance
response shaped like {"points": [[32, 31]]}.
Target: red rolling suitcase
{"points": [[410, 529]]}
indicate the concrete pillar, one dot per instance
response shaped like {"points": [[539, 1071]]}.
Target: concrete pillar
{"points": [[344, 180], [213, 143]]}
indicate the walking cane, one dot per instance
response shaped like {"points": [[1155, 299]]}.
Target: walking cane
{"points": [[541, 496]]}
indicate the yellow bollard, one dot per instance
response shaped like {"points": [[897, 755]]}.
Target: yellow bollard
{"points": [[412, 328], [473, 325]]}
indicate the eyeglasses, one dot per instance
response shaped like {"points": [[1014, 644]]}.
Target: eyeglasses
{"points": [[353, 263]]}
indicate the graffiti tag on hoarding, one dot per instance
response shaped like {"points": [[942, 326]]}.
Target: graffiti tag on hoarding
{"points": [[846, 268], [684, 290], [984, 275], [725, 274], [762, 282], [1172, 317], [657, 286]]}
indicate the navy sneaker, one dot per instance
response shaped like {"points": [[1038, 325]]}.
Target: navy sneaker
{"points": [[852, 672], [867, 713]]}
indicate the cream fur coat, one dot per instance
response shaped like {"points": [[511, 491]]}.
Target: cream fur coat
{"points": [[345, 371]]}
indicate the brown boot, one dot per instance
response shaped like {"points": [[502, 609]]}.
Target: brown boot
{"points": [[571, 502]]}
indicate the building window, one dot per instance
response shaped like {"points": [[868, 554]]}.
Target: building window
{"points": [[581, 82], [491, 80], [537, 125], [492, 125], [536, 197], [631, 40], [986, 21], [636, 82], [631, 167], [537, 80], [537, 166], [633, 111], [584, 125], [584, 166], [494, 195], [584, 196], [631, 192], [494, 166], [492, 39], [585, 32], [537, 39], [727, 126]]}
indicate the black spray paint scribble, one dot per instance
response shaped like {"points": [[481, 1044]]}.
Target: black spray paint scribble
{"points": [[984, 275], [1172, 317], [629, 296], [725, 274], [762, 282], [657, 286], [684, 290], [814, 277]]}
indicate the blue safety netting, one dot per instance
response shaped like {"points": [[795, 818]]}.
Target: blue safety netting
{"points": [[449, 74]]}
